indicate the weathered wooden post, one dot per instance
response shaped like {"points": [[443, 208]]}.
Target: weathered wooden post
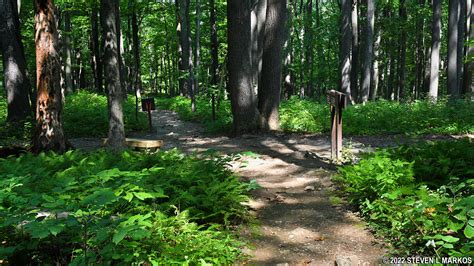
{"points": [[148, 104], [337, 102]]}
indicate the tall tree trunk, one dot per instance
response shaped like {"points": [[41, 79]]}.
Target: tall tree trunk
{"points": [[197, 50], [468, 82], [353, 91], [375, 70], [214, 55], [136, 54], [369, 50], [16, 82], [243, 99], [308, 43], [403, 51], [108, 19], [453, 38], [435, 47], [48, 135], [420, 57], [68, 71], [257, 20], [270, 83], [186, 61], [96, 54], [346, 42], [461, 36]]}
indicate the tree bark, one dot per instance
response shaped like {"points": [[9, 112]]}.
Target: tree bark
{"points": [[308, 43], [353, 91], [96, 57], [197, 50], [243, 99], [468, 82], [346, 43], [48, 135], [68, 71], [258, 20], [369, 50], [270, 84], [16, 82], [403, 51], [186, 62], [461, 35], [453, 38], [420, 56], [435, 48], [375, 70], [214, 55], [108, 19], [136, 54]]}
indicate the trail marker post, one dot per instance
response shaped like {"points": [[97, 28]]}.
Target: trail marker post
{"points": [[148, 104], [337, 101]]}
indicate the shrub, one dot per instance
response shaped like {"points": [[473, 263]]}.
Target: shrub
{"points": [[85, 114], [164, 208], [414, 195]]}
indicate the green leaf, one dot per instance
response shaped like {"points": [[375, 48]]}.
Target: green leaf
{"points": [[48, 198], [56, 229], [143, 195], [122, 232], [469, 231]]}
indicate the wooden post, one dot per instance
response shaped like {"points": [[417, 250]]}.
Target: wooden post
{"points": [[148, 104], [337, 102]]}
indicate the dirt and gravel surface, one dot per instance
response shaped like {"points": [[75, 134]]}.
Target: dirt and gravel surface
{"points": [[301, 222]]}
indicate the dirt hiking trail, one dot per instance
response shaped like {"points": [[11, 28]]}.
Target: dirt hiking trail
{"points": [[300, 221]]}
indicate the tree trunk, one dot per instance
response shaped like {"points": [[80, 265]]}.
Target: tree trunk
{"points": [[68, 71], [186, 61], [353, 91], [468, 82], [346, 43], [48, 135], [96, 57], [136, 54], [375, 70], [453, 37], [16, 82], [461, 35], [214, 56], [243, 99], [197, 51], [403, 51], [420, 57], [308, 43], [108, 18], [369, 50], [258, 18], [435, 48], [270, 83]]}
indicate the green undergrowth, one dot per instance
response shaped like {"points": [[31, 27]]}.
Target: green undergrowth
{"points": [[203, 114], [127, 208], [381, 117], [85, 114], [374, 118], [420, 198]]}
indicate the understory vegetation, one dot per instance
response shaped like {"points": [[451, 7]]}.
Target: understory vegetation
{"points": [[105, 208], [85, 115], [373, 118], [419, 198]]}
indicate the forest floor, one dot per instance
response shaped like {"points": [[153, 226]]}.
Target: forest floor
{"points": [[300, 220]]}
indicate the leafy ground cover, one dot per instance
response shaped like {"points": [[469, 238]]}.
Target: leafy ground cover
{"points": [[419, 198], [374, 118], [85, 115], [163, 208], [203, 114]]}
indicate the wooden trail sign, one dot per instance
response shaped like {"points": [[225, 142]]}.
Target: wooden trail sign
{"points": [[148, 104], [337, 101]]}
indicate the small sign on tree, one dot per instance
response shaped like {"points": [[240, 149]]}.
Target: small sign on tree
{"points": [[337, 101]]}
